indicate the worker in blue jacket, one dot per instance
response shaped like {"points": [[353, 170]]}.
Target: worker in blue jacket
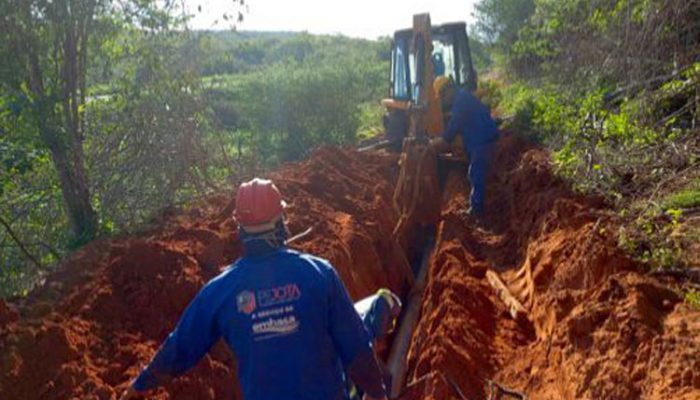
{"points": [[286, 316], [471, 119]]}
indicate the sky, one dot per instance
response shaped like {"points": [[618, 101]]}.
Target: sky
{"points": [[355, 18]]}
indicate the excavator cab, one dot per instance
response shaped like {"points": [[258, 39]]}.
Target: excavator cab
{"points": [[419, 56]]}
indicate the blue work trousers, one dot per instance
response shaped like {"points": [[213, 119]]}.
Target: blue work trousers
{"points": [[479, 159]]}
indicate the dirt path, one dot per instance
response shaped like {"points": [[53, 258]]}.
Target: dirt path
{"points": [[596, 328]]}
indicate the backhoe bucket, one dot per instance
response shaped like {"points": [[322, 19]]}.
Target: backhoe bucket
{"points": [[417, 195]]}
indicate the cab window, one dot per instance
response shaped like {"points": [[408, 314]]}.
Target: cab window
{"points": [[444, 50], [399, 70]]}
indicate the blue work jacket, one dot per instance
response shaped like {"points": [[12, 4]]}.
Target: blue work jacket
{"points": [[286, 316], [472, 119]]}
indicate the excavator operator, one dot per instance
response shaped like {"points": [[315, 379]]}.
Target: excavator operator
{"points": [[286, 315]]}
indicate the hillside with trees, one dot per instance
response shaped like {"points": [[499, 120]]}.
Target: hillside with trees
{"points": [[613, 88], [103, 128]]}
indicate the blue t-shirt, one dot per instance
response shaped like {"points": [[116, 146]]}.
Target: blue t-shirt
{"points": [[472, 119], [286, 316]]}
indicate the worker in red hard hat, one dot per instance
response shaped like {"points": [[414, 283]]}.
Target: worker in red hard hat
{"points": [[285, 315]]}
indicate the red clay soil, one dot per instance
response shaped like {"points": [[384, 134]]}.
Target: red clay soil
{"points": [[86, 333], [596, 328]]}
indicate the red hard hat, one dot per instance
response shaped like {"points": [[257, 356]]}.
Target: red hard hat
{"points": [[259, 205]]}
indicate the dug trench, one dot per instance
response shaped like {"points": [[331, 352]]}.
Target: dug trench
{"points": [[592, 325]]}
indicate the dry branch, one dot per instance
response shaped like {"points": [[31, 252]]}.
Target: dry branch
{"points": [[20, 244]]}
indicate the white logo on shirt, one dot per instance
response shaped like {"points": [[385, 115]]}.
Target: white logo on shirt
{"points": [[272, 327]]}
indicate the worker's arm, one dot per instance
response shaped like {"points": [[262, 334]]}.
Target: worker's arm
{"points": [[460, 113], [352, 340], [192, 338]]}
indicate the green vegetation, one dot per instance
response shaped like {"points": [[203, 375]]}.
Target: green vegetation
{"points": [[692, 296], [613, 88], [320, 95], [685, 199], [102, 128], [649, 236]]}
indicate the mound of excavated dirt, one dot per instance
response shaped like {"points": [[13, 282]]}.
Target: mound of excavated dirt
{"points": [[96, 322], [596, 329], [628, 338], [345, 197]]}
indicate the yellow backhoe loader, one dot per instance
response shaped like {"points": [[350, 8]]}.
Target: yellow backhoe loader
{"points": [[420, 56]]}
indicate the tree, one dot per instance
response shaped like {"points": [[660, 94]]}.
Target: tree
{"points": [[46, 45], [44, 53], [500, 20]]}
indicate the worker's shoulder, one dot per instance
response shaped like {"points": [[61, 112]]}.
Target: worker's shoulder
{"points": [[236, 270], [315, 261], [467, 96], [312, 264], [226, 276], [285, 255]]}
